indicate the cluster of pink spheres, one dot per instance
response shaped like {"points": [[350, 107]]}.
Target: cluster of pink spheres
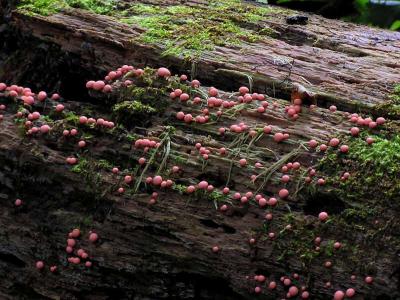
{"points": [[76, 256], [213, 104]]}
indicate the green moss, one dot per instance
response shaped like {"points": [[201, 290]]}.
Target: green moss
{"points": [[181, 30], [41, 7], [374, 168], [49, 7], [391, 108], [81, 167]]}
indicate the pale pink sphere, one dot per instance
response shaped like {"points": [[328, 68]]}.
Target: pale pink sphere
{"points": [[332, 108], [337, 245], [262, 202], [89, 84], [283, 193], [323, 147], [323, 216], [55, 97], [71, 242], [188, 118], [269, 216], [267, 129], [369, 140], [272, 201], [53, 269], [163, 72], [257, 289], [180, 115], [334, 142], [72, 160], [203, 185], [344, 148], [81, 144], [99, 85], [115, 170], [287, 282], [278, 137], [224, 207], [190, 189], [39, 265], [69, 249], [88, 264], [243, 162], [93, 237], [305, 295], [107, 88], [339, 295], [272, 285], [183, 77], [75, 233], [128, 179], [41, 96], [293, 291], [184, 97], [350, 292], [285, 178], [83, 120], [369, 279], [195, 83], [225, 190], [157, 180], [35, 115], [213, 92], [354, 131], [65, 132], [260, 278], [380, 120], [243, 90], [142, 161], [59, 107], [44, 128], [313, 144], [18, 202], [215, 249], [74, 131]]}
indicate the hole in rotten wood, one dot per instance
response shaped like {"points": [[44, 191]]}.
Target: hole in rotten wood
{"points": [[217, 180], [211, 224], [323, 202]]}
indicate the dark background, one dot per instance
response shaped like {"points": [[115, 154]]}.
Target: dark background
{"points": [[381, 13]]}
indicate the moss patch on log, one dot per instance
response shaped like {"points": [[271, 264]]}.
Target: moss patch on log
{"points": [[391, 108], [373, 168], [181, 30]]}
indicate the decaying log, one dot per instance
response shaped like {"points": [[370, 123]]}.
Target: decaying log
{"points": [[164, 251]]}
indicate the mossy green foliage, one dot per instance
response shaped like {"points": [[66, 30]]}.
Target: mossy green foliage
{"points": [[391, 108], [132, 112], [187, 31], [147, 96], [374, 168], [49, 7], [181, 30]]}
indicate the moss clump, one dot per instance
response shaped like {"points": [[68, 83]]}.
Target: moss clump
{"points": [[49, 7], [391, 108], [132, 113], [187, 31], [374, 168], [181, 30], [41, 7]]}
